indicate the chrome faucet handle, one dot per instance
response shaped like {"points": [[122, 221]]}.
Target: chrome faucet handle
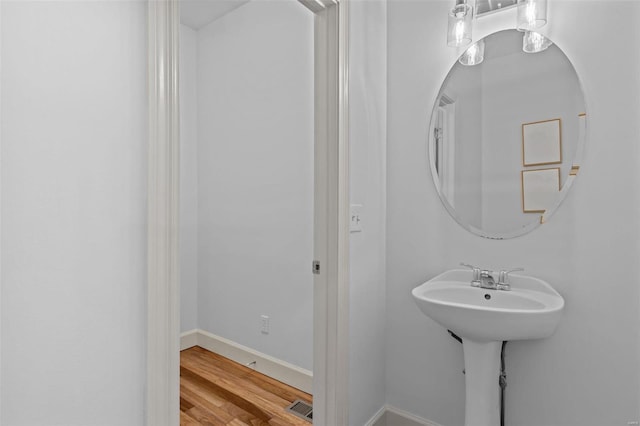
{"points": [[503, 278], [475, 269]]}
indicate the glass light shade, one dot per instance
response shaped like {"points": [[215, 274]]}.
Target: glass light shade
{"points": [[459, 29], [532, 14], [474, 55], [533, 42]]}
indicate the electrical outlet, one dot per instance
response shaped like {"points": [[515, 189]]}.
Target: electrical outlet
{"points": [[264, 324]]}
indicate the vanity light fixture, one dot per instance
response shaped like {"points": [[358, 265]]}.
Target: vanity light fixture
{"points": [[474, 55], [459, 28], [532, 14], [533, 42]]}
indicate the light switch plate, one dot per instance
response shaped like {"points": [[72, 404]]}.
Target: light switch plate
{"points": [[356, 218]]}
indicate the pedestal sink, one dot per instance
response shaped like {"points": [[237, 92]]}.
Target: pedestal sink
{"points": [[483, 318]]}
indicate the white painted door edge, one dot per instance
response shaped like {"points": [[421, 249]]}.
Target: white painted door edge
{"points": [[331, 218], [0, 222], [331, 223], [163, 316]]}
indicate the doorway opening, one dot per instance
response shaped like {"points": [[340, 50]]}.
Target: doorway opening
{"points": [[246, 208], [330, 221]]}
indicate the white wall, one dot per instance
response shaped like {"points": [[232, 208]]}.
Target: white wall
{"points": [[188, 179], [255, 178], [588, 372], [367, 121], [73, 212], [552, 91]]}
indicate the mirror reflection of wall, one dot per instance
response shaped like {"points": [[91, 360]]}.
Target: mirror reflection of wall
{"points": [[247, 126], [492, 102]]}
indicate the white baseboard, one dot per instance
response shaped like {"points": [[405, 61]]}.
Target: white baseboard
{"points": [[377, 416], [415, 420], [280, 370], [188, 339], [407, 415]]}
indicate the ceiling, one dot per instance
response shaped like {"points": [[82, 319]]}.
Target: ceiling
{"points": [[198, 13]]}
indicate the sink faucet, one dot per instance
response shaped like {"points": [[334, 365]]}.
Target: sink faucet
{"points": [[483, 278], [486, 280]]}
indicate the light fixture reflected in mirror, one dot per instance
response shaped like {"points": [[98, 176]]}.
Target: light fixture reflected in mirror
{"points": [[459, 29], [531, 14], [533, 42], [474, 55]]}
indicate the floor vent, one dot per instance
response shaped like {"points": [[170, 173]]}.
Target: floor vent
{"points": [[301, 409]]}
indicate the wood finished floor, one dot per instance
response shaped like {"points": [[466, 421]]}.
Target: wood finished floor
{"points": [[217, 391]]}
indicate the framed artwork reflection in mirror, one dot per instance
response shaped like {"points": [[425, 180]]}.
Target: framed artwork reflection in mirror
{"points": [[539, 189], [542, 143]]}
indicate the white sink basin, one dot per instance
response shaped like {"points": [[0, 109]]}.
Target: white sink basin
{"points": [[530, 310], [483, 318]]}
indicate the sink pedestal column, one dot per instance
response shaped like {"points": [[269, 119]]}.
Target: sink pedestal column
{"points": [[482, 371]]}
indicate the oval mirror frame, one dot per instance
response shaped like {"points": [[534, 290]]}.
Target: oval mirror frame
{"points": [[561, 135]]}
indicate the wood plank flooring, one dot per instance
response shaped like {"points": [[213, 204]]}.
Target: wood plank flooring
{"points": [[215, 391]]}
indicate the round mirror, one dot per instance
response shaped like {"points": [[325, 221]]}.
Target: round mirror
{"points": [[507, 133]]}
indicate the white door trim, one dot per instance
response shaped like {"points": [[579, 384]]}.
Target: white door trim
{"points": [[331, 223], [318, 5], [163, 302], [1, 121], [331, 217]]}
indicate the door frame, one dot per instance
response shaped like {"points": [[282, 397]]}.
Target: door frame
{"points": [[331, 214]]}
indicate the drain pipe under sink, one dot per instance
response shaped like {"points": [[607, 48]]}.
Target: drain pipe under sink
{"points": [[502, 380]]}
